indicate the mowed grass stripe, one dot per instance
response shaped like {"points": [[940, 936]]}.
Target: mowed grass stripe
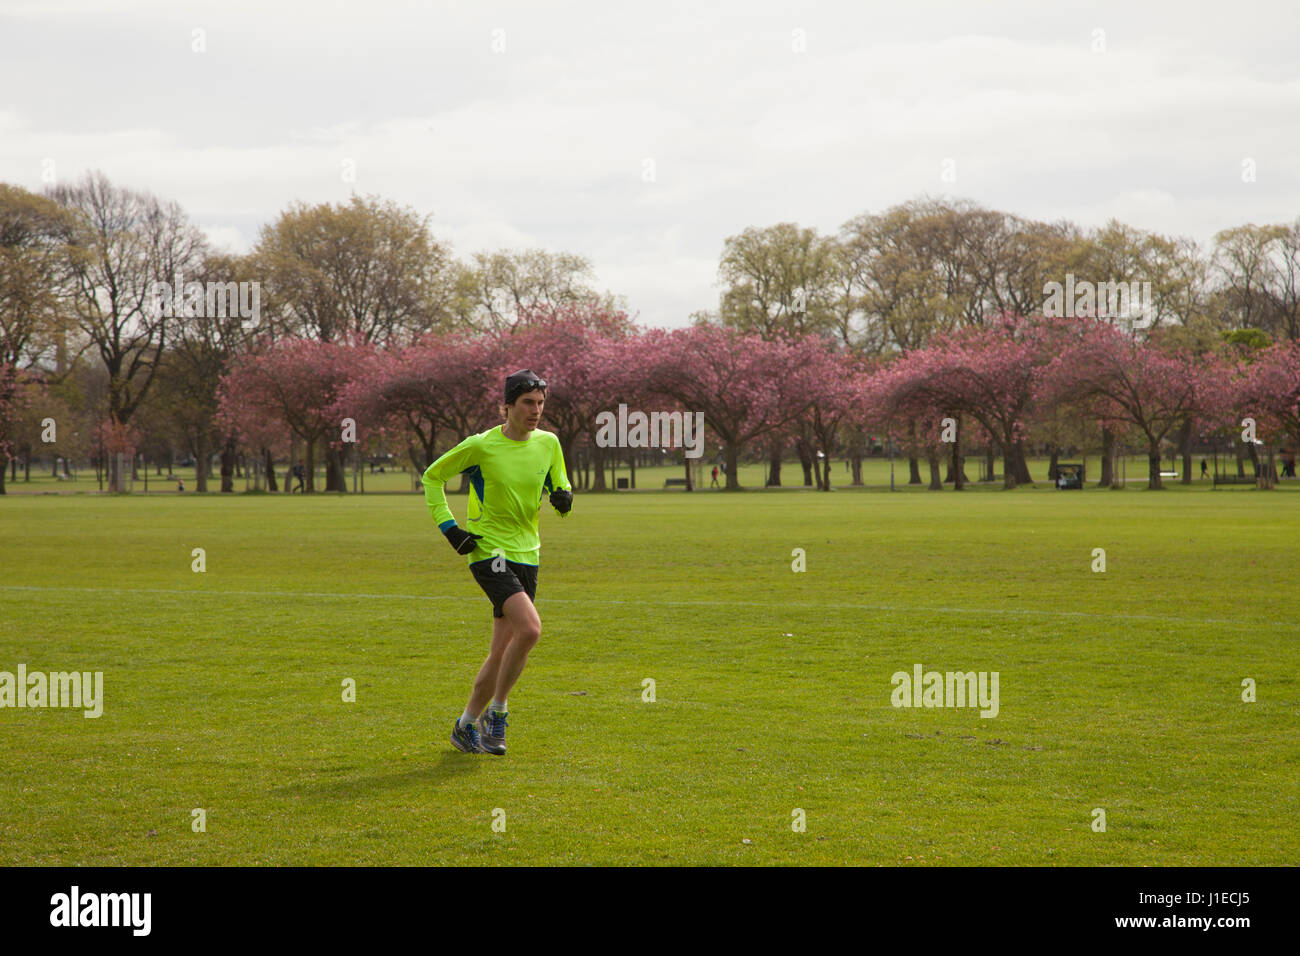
{"points": [[758, 605]]}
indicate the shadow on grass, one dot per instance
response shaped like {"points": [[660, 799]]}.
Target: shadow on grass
{"points": [[446, 767]]}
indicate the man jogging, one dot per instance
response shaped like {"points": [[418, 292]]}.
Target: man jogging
{"points": [[510, 468]]}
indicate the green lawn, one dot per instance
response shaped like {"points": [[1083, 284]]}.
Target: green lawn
{"points": [[1118, 690]]}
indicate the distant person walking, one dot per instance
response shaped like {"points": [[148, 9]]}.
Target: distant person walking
{"points": [[300, 472], [1204, 468], [715, 477]]}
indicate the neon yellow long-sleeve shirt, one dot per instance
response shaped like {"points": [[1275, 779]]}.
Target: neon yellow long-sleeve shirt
{"points": [[507, 481]]}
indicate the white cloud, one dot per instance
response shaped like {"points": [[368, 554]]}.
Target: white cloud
{"points": [[543, 145]]}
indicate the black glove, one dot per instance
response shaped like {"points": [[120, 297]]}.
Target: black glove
{"points": [[463, 541], [562, 500]]}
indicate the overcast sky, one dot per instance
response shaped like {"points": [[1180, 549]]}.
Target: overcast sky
{"points": [[518, 124]]}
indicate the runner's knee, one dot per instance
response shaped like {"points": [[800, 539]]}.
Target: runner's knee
{"points": [[527, 628], [529, 632]]}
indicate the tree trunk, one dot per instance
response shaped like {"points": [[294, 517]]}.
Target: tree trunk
{"points": [[913, 466], [989, 461], [599, 455], [1009, 470], [936, 473], [228, 466], [774, 462], [3, 465], [690, 478], [855, 451], [1021, 457], [270, 470], [1153, 467], [335, 473], [1107, 459], [1240, 449], [733, 462], [805, 461], [957, 463], [1185, 443], [1053, 464], [631, 482], [309, 483], [201, 462], [1254, 458], [1269, 478]]}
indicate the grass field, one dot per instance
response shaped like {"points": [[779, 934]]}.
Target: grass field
{"points": [[1119, 690]]}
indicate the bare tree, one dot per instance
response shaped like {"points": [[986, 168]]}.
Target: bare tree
{"points": [[501, 289], [35, 237], [367, 269], [130, 241]]}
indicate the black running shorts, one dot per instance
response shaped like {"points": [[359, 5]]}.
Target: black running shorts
{"points": [[511, 579]]}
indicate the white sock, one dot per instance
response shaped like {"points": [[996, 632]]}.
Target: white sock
{"points": [[467, 718], [499, 706]]}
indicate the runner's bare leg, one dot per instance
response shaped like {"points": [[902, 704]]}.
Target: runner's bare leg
{"points": [[525, 628], [486, 681]]}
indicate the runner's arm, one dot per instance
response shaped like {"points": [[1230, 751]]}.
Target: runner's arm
{"points": [[452, 463], [558, 480]]}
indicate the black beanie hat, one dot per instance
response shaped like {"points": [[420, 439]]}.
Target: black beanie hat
{"points": [[517, 383]]}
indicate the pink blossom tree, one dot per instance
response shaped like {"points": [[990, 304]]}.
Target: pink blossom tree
{"points": [[899, 402], [1123, 382], [838, 378], [439, 384], [572, 348], [296, 383], [1270, 395], [990, 373], [746, 386]]}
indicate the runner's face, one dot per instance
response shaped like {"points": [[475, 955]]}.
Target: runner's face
{"points": [[526, 412]]}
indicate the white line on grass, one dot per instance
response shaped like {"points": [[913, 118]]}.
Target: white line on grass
{"points": [[348, 595]]}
